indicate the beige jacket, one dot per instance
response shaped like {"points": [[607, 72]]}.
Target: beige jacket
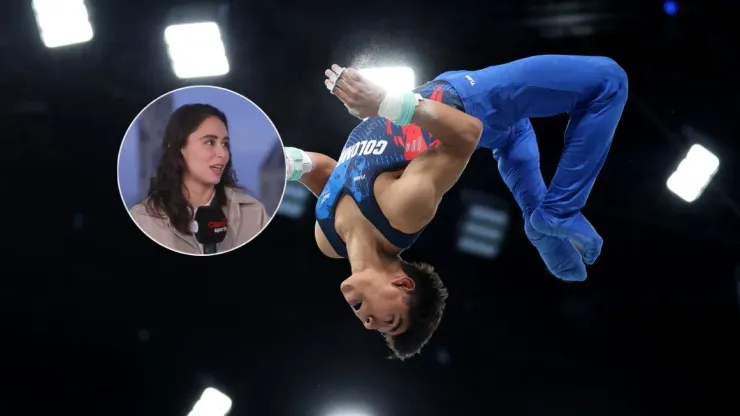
{"points": [[247, 217]]}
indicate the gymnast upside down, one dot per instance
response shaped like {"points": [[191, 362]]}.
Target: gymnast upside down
{"points": [[397, 165]]}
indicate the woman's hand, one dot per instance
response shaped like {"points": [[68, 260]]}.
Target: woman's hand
{"points": [[361, 97]]}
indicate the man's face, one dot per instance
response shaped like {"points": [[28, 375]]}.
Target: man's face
{"points": [[379, 300]]}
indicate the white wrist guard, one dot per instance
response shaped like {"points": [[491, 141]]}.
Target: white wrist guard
{"points": [[297, 162], [399, 108]]}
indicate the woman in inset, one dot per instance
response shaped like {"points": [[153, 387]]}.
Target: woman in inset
{"points": [[195, 170]]}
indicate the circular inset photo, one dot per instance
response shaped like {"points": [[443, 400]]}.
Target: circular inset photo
{"points": [[201, 170]]}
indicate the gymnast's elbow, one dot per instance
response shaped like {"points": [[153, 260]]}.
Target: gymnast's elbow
{"points": [[469, 134]]}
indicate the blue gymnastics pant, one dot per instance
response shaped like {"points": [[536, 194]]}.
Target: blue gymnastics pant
{"points": [[593, 91]]}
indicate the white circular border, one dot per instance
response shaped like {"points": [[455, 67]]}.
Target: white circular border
{"points": [[118, 169]]}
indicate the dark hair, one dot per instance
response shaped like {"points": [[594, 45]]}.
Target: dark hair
{"points": [[426, 306], [166, 196]]}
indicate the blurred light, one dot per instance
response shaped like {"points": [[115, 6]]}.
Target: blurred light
{"points": [[294, 200], [348, 412], [392, 79], [196, 50], [351, 413], [693, 174], [483, 227], [569, 19], [62, 22], [670, 7], [143, 335], [443, 356], [78, 222], [212, 403]]}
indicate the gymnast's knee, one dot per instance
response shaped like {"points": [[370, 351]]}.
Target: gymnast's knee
{"points": [[614, 82]]}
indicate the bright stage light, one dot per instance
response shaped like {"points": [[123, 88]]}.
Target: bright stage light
{"points": [[348, 413], [196, 50], [348, 410], [62, 22], [693, 174], [212, 403], [392, 79]]}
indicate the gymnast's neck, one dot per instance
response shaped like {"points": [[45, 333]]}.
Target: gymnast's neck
{"points": [[365, 250]]}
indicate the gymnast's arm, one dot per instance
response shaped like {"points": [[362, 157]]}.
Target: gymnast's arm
{"points": [[430, 175], [458, 134], [322, 167], [315, 179]]}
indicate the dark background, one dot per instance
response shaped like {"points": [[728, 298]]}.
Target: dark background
{"points": [[100, 320]]}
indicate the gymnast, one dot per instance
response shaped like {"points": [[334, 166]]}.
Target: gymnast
{"points": [[378, 196]]}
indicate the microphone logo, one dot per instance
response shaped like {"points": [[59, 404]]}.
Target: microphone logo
{"points": [[218, 226], [212, 226]]}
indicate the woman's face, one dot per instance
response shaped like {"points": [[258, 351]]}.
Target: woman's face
{"points": [[206, 152]]}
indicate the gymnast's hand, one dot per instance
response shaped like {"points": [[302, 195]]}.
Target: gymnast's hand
{"points": [[361, 97]]}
